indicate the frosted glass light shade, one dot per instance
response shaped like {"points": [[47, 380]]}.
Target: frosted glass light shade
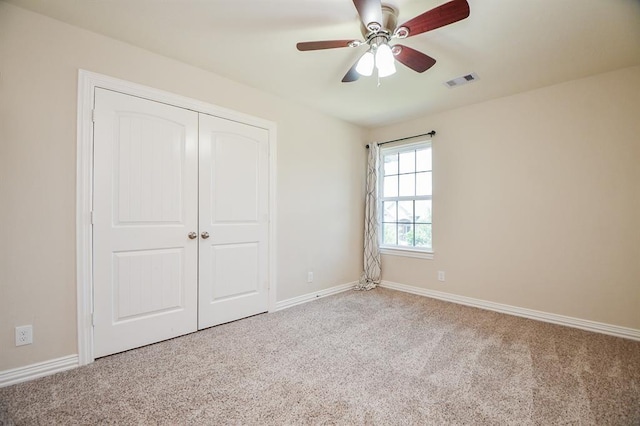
{"points": [[385, 61], [365, 64]]}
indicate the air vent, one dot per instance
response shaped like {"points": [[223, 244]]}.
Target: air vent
{"points": [[462, 80]]}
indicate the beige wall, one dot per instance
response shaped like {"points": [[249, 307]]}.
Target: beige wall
{"points": [[537, 200], [320, 174]]}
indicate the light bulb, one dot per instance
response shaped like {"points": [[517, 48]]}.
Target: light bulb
{"points": [[365, 64], [385, 61]]}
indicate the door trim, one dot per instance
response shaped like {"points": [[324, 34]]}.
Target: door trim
{"points": [[87, 82]]}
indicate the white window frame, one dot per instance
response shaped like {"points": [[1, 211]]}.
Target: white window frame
{"points": [[395, 250]]}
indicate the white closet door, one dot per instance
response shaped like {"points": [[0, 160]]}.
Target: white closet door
{"points": [[234, 183], [145, 205]]}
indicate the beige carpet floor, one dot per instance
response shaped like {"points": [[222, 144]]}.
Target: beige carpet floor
{"points": [[379, 357]]}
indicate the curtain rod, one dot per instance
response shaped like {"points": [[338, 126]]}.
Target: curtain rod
{"points": [[431, 133]]}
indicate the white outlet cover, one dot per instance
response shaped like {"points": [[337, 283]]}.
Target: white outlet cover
{"points": [[440, 275], [24, 335]]}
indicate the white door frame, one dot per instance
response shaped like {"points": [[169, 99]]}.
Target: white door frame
{"points": [[87, 82]]}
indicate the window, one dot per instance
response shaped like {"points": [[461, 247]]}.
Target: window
{"points": [[405, 199]]}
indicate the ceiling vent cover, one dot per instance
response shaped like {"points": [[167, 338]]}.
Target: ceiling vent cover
{"points": [[462, 80]]}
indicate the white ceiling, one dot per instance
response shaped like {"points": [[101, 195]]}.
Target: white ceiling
{"points": [[513, 45]]}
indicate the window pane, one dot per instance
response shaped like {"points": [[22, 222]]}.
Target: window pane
{"points": [[405, 211], [391, 164], [390, 186], [423, 236], [423, 212], [423, 183], [405, 234], [407, 185], [408, 162], [389, 235], [423, 160], [389, 211]]}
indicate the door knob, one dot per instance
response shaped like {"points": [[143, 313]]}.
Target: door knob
{"points": [[193, 235], [204, 235]]}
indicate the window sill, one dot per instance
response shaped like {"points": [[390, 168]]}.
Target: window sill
{"points": [[406, 252]]}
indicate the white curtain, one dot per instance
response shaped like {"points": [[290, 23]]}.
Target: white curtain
{"points": [[371, 276]]}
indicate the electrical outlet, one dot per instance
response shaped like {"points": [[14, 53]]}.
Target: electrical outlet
{"points": [[310, 277], [440, 275], [24, 335]]}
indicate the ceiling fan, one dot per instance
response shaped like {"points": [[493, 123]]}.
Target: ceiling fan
{"points": [[379, 27]]}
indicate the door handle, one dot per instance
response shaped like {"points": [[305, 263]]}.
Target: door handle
{"points": [[204, 235], [192, 235]]}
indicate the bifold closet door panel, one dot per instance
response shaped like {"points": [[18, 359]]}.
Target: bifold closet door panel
{"points": [[145, 206], [234, 221]]}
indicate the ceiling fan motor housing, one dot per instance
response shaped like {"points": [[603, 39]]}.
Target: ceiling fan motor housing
{"points": [[388, 24]]}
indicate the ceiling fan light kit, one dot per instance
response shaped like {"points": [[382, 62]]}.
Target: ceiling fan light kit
{"points": [[379, 27], [382, 59]]}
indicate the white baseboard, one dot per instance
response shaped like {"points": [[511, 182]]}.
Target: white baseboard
{"points": [[46, 368], [598, 327], [40, 369], [283, 304]]}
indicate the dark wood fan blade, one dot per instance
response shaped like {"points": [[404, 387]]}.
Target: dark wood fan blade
{"points": [[440, 16], [369, 11], [413, 59], [352, 74], [318, 45]]}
